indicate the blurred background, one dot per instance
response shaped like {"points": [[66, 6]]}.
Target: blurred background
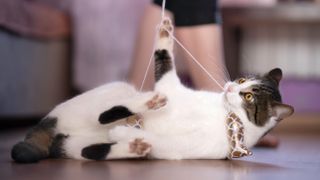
{"points": [[51, 50]]}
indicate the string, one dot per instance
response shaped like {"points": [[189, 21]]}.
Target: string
{"points": [[163, 10], [182, 46], [147, 70]]}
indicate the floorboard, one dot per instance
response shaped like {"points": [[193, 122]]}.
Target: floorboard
{"points": [[297, 157]]}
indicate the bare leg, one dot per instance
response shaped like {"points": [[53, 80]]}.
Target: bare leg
{"points": [[269, 140], [205, 43], [144, 48]]}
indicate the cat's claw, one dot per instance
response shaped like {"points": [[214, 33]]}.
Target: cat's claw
{"points": [[157, 102], [139, 147]]}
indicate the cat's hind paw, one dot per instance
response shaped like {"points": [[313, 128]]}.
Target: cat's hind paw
{"points": [[139, 147]]}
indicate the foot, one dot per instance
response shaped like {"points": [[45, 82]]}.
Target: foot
{"points": [[268, 141], [157, 102], [139, 147]]}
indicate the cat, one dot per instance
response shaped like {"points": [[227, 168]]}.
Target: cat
{"points": [[178, 122]]}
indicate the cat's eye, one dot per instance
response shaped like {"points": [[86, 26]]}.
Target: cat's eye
{"points": [[248, 96], [241, 80]]}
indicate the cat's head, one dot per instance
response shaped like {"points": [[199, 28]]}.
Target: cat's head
{"points": [[259, 98]]}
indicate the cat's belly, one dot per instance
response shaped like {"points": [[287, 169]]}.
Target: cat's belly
{"points": [[182, 116], [193, 119], [193, 138]]}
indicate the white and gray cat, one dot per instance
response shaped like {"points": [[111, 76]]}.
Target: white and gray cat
{"points": [[178, 122]]}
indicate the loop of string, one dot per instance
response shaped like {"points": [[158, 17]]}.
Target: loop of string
{"points": [[182, 46]]}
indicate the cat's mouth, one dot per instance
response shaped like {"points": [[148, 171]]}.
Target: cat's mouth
{"points": [[226, 91]]}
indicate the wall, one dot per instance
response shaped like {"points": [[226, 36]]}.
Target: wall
{"points": [[34, 75]]}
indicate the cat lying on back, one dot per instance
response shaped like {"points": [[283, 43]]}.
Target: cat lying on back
{"points": [[178, 123]]}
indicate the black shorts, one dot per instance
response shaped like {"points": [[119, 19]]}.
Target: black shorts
{"points": [[192, 12]]}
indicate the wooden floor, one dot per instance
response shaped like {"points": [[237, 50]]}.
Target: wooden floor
{"points": [[297, 157]]}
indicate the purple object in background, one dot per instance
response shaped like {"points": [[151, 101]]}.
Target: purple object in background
{"points": [[303, 95]]}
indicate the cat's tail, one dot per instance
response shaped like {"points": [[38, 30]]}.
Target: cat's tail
{"points": [[36, 143], [163, 55]]}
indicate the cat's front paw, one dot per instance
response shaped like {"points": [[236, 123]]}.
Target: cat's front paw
{"points": [[157, 102], [139, 147], [166, 27]]}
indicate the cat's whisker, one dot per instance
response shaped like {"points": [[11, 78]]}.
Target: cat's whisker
{"points": [[223, 68], [221, 73]]}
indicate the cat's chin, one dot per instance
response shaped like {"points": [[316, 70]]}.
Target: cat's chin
{"points": [[227, 97]]}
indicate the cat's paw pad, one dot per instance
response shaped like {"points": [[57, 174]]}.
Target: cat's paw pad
{"points": [[139, 147], [165, 28], [157, 102]]}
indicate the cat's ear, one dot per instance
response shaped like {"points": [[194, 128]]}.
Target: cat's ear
{"points": [[275, 74], [281, 111]]}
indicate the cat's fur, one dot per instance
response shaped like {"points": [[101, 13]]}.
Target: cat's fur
{"points": [[179, 123]]}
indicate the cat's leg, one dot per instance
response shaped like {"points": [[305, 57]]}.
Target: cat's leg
{"points": [[136, 105], [121, 150], [97, 147], [165, 73], [175, 146]]}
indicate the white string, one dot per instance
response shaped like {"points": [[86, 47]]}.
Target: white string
{"points": [[147, 70], [182, 46], [163, 9]]}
